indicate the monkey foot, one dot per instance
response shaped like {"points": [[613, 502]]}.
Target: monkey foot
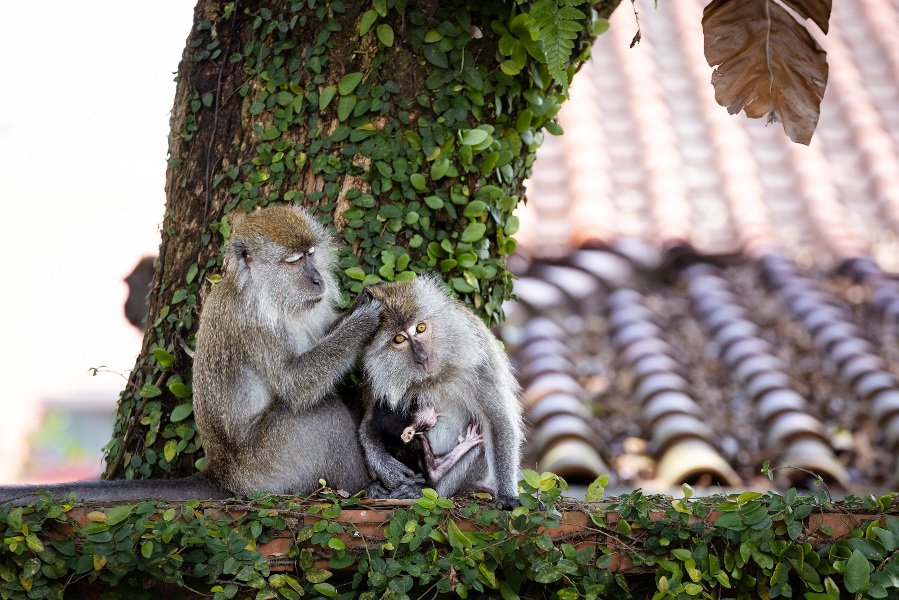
{"points": [[507, 503]]}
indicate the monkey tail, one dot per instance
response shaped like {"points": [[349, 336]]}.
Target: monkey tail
{"points": [[195, 486]]}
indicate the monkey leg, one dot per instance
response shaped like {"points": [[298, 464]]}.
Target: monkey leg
{"points": [[438, 466]]}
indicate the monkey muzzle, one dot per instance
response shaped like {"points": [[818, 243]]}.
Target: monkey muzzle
{"points": [[313, 277], [420, 356]]}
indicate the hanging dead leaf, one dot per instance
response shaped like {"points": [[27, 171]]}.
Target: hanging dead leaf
{"points": [[768, 64]]}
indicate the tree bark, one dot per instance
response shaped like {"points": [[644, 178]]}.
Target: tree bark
{"points": [[406, 127]]}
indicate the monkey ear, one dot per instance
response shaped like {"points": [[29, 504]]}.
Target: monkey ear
{"points": [[241, 255]]}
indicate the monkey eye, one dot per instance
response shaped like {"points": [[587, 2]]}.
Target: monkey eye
{"points": [[399, 338], [294, 258], [421, 328]]}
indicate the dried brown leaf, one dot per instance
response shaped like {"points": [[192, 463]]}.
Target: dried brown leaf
{"points": [[768, 64], [816, 10]]}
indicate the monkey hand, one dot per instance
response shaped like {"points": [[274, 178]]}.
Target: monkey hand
{"points": [[507, 503], [394, 474], [365, 318], [472, 436]]}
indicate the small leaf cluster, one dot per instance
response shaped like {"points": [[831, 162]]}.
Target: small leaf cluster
{"points": [[735, 546], [126, 545]]}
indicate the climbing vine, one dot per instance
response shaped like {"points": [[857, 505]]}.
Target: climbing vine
{"points": [[742, 545], [406, 128]]}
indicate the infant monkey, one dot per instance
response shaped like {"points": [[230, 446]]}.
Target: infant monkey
{"points": [[408, 441]]}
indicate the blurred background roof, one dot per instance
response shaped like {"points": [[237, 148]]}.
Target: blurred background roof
{"points": [[698, 293]]}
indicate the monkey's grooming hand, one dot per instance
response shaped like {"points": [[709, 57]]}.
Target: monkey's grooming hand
{"points": [[394, 474], [365, 317]]}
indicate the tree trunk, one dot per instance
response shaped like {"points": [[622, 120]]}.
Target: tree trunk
{"points": [[407, 127]]}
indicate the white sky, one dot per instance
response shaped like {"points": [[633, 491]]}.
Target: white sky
{"points": [[85, 94]]}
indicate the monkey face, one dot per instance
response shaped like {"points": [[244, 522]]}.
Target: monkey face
{"points": [[281, 260], [415, 344]]}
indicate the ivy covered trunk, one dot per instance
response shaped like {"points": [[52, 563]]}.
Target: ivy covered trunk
{"points": [[407, 127]]}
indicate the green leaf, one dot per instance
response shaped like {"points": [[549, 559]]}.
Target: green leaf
{"points": [[336, 543], [34, 543], [368, 19], [385, 34], [434, 202], [324, 99], [507, 592], [568, 594], [475, 208], [510, 67], [600, 26], [181, 391], [147, 549], [355, 273], [326, 589], [512, 224], [554, 128], [164, 359], [150, 391], [418, 181], [456, 538], [345, 106], [872, 549], [348, 83], [182, 411], [317, 575], [857, 574], [473, 232], [597, 488], [117, 514], [682, 554], [270, 134], [889, 540], [439, 168], [729, 520], [532, 478], [748, 496], [693, 589], [434, 56], [170, 450], [473, 137]]}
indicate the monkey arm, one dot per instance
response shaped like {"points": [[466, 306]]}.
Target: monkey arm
{"points": [[440, 465], [391, 472], [308, 377]]}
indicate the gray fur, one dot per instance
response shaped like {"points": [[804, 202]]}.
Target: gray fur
{"points": [[266, 365], [267, 360], [466, 379]]}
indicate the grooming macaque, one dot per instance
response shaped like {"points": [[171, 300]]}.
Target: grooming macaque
{"points": [[408, 441], [267, 359], [430, 351]]}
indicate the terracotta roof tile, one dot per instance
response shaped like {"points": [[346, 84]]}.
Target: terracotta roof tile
{"points": [[779, 343]]}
